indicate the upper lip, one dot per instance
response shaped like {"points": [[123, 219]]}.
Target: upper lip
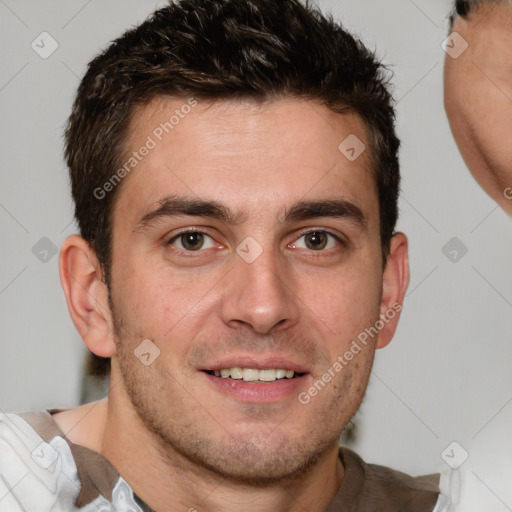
{"points": [[257, 363]]}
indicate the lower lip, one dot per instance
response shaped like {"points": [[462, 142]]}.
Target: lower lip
{"points": [[268, 392]]}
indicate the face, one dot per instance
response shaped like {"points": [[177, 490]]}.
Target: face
{"points": [[246, 245], [478, 99]]}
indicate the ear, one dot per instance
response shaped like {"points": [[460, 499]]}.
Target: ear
{"points": [[87, 295], [395, 281]]}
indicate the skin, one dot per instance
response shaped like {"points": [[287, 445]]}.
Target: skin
{"points": [[177, 437], [478, 99]]}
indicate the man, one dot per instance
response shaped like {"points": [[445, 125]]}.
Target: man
{"points": [[478, 93], [234, 169]]}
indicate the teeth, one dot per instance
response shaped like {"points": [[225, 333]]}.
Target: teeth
{"points": [[253, 375], [280, 374], [267, 375], [236, 373]]}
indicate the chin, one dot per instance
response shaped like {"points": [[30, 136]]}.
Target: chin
{"points": [[251, 456], [248, 462]]}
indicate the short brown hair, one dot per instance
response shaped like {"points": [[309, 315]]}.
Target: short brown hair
{"points": [[223, 49]]}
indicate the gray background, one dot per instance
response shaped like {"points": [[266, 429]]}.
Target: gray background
{"points": [[445, 377]]}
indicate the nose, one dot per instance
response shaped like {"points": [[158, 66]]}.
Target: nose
{"points": [[260, 295]]}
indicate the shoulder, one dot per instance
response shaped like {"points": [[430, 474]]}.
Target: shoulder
{"points": [[84, 425], [37, 469], [385, 489], [42, 469]]}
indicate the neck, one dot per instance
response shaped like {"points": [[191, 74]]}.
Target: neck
{"points": [[168, 482]]}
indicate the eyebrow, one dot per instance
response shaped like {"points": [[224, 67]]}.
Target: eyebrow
{"points": [[172, 206], [336, 208]]}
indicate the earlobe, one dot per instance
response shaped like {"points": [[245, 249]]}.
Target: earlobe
{"points": [[394, 285], [86, 295]]}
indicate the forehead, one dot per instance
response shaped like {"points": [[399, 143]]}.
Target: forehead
{"points": [[255, 156]]}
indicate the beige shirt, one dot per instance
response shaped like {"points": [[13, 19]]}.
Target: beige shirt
{"points": [[42, 471]]}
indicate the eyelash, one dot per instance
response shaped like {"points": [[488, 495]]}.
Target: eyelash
{"points": [[338, 239]]}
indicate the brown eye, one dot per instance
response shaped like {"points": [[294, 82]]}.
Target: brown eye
{"points": [[316, 241], [192, 241]]}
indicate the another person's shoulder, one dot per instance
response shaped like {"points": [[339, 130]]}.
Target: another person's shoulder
{"points": [[37, 470], [41, 470]]}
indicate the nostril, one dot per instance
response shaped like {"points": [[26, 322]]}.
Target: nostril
{"points": [[462, 7]]}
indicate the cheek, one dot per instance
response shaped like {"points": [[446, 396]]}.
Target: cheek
{"points": [[480, 116], [164, 307], [492, 125], [344, 302], [159, 293]]}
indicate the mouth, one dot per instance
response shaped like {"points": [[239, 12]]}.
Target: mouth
{"points": [[257, 380], [255, 375]]}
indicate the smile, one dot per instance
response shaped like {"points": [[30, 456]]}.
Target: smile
{"points": [[253, 374]]}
